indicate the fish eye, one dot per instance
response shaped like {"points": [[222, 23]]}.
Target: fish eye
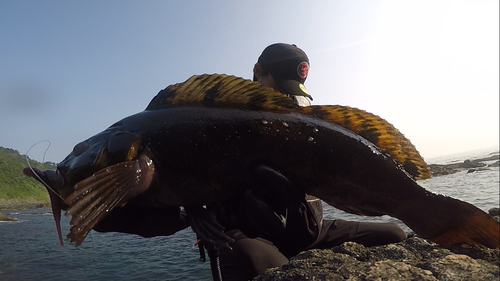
{"points": [[80, 148]]}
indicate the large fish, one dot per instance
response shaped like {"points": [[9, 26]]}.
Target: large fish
{"points": [[198, 142]]}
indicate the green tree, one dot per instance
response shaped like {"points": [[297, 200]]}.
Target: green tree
{"points": [[14, 185]]}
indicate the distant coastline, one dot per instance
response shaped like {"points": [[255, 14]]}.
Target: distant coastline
{"points": [[6, 205], [452, 165], [21, 205], [470, 165]]}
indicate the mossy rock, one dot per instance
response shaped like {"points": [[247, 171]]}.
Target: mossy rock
{"points": [[6, 218]]}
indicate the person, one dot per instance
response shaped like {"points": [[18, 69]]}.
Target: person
{"points": [[272, 221], [285, 67]]}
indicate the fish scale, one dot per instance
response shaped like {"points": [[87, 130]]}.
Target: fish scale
{"points": [[199, 142]]}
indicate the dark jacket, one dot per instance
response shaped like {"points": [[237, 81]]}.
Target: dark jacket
{"points": [[303, 224]]}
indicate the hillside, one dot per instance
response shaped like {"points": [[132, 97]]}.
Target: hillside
{"points": [[16, 189]]}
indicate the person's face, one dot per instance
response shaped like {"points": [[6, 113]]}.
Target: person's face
{"points": [[266, 80]]}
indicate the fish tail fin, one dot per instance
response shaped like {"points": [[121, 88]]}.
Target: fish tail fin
{"points": [[449, 221], [477, 228], [378, 131]]}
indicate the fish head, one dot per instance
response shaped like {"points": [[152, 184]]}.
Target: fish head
{"points": [[90, 159], [87, 158], [96, 153], [52, 180]]}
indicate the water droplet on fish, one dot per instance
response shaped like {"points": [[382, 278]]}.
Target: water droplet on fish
{"points": [[315, 130], [285, 124], [310, 139], [264, 122]]}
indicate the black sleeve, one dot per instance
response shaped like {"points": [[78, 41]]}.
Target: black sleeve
{"points": [[274, 209], [301, 231], [146, 222]]}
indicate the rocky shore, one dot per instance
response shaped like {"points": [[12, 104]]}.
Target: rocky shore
{"points": [[21, 205], [6, 218], [413, 259], [470, 166]]}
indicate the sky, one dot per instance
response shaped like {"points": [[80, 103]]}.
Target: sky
{"points": [[70, 69]]}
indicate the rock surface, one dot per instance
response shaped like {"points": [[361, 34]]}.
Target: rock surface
{"points": [[471, 166], [6, 218], [412, 259]]}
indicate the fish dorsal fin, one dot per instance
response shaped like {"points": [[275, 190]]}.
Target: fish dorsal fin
{"points": [[378, 131], [223, 91], [230, 91]]}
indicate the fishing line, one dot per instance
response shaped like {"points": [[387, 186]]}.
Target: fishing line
{"points": [[92, 256], [92, 252], [43, 160]]}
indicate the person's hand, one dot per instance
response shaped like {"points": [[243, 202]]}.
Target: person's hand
{"points": [[205, 225], [265, 206]]}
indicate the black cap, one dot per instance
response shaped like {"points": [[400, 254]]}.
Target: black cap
{"points": [[288, 65]]}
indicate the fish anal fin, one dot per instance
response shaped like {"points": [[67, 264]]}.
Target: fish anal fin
{"points": [[96, 196]]}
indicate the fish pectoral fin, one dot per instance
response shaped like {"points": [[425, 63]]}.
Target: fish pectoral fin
{"points": [[96, 196], [206, 227]]}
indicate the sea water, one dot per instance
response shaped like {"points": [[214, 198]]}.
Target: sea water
{"points": [[30, 250]]}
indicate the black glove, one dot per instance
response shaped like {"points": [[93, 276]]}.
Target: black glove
{"points": [[265, 206], [143, 221], [207, 228]]}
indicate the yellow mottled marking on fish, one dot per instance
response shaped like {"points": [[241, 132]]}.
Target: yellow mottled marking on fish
{"points": [[231, 91], [224, 91], [378, 131], [204, 139]]}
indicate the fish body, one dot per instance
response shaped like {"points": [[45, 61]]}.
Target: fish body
{"points": [[204, 155], [194, 150]]}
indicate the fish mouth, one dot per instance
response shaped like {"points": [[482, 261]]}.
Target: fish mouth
{"points": [[53, 180], [54, 183]]}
